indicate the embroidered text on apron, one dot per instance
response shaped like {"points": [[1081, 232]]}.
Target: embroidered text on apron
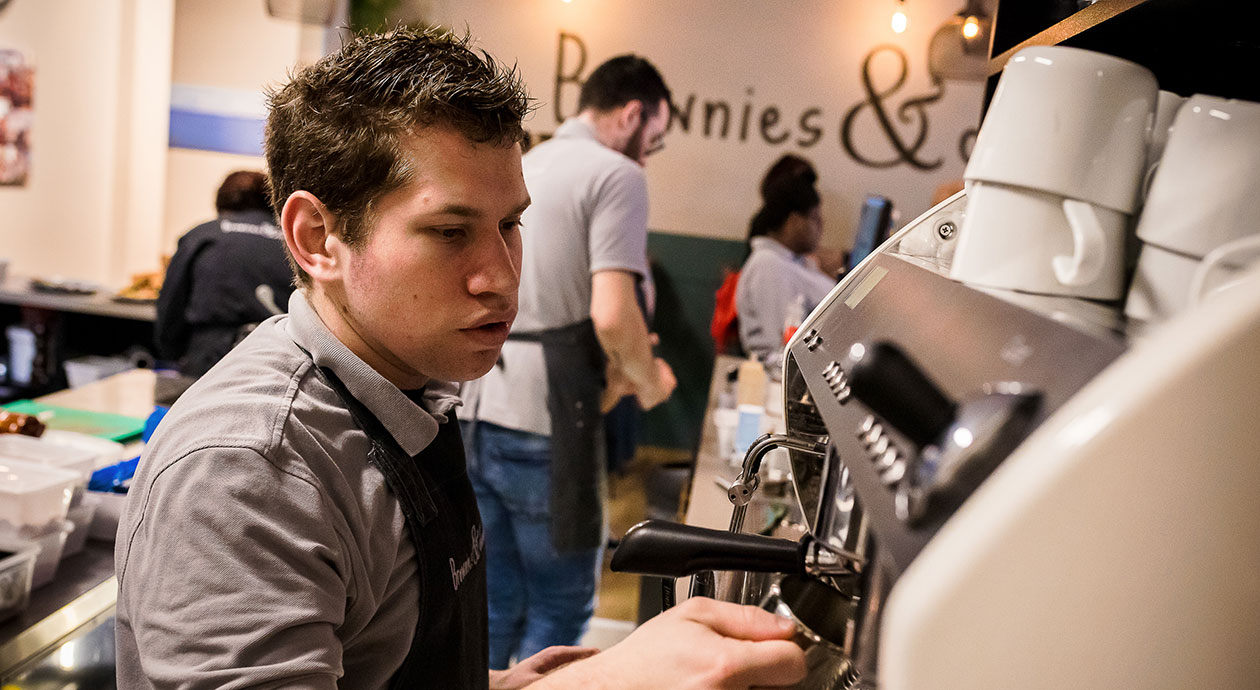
{"points": [[450, 649]]}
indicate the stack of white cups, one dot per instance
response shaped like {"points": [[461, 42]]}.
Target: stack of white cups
{"points": [[1200, 226], [1056, 175]]}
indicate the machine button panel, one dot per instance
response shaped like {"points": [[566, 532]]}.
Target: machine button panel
{"points": [[882, 451], [886, 459], [895, 472], [837, 382]]}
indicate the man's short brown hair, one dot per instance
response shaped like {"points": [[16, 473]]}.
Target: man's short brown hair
{"points": [[336, 129]]}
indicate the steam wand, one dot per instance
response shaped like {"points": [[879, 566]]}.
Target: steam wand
{"points": [[741, 491]]}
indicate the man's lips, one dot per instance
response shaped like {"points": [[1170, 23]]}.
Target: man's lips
{"points": [[492, 332], [494, 327], [502, 318]]}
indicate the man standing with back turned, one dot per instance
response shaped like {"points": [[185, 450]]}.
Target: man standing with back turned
{"points": [[303, 517], [579, 344]]}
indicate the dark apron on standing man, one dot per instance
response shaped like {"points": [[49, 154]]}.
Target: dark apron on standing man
{"points": [[450, 649], [574, 363]]}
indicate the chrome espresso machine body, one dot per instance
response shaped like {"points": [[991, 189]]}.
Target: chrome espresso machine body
{"points": [[1034, 496]]}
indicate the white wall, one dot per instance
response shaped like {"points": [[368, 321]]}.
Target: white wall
{"points": [[793, 55], [100, 101], [225, 44], [106, 197]]}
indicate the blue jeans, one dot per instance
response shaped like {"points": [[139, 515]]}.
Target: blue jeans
{"points": [[538, 597]]}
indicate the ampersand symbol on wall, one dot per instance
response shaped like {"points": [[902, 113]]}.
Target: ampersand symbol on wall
{"points": [[913, 111], [966, 142]]}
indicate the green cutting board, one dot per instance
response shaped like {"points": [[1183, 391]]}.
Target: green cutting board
{"points": [[115, 427]]}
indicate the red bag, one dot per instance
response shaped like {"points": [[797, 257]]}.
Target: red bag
{"points": [[725, 324]]}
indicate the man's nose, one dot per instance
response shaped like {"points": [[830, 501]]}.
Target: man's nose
{"points": [[497, 270]]}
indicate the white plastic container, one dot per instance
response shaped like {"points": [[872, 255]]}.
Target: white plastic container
{"points": [[45, 452], [37, 450], [107, 452], [34, 498], [50, 547], [17, 565], [81, 516]]}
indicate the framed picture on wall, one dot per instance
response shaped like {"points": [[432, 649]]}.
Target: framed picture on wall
{"points": [[17, 83]]}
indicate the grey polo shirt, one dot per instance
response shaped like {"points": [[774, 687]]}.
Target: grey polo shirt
{"points": [[258, 548], [589, 213], [770, 280]]}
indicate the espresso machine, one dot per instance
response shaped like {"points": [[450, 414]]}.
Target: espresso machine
{"points": [[1010, 490]]}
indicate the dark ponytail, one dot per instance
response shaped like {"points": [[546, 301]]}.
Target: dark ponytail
{"points": [[787, 188]]}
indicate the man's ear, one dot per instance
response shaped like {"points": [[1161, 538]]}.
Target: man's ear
{"points": [[310, 231], [630, 116]]}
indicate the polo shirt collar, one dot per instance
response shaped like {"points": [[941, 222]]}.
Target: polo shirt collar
{"points": [[575, 128], [414, 428], [773, 246]]}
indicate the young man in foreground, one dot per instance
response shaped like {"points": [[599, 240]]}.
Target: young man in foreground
{"points": [[303, 517]]}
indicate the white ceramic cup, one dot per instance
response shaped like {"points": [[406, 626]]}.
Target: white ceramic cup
{"points": [[1166, 107], [1224, 267], [1022, 239], [1167, 283], [1161, 284], [1206, 191], [1070, 122]]}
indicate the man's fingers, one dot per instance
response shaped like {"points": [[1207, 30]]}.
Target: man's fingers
{"points": [[552, 658], [616, 388], [736, 620], [761, 653], [769, 664], [609, 400]]}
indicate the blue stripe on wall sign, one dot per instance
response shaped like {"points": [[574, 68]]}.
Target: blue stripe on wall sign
{"points": [[210, 132]]}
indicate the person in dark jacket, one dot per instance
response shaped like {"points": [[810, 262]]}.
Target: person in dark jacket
{"points": [[227, 275]]}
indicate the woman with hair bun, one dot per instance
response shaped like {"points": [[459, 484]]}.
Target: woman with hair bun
{"points": [[778, 280]]}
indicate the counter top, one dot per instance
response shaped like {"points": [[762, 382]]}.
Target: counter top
{"points": [[129, 393], [83, 589], [17, 290]]}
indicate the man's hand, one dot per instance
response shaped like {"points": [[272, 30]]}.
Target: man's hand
{"points": [[701, 644], [537, 666], [616, 387], [661, 388], [626, 341]]}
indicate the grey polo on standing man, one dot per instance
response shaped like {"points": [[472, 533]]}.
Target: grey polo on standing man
{"points": [[565, 179]]}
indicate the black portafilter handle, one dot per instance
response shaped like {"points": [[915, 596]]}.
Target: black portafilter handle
{"points": [[887, 381], [670, 549]]}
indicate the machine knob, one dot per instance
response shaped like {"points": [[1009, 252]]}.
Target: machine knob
{"points": [[895, 388]]}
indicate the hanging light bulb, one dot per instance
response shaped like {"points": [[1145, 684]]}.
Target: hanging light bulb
{"points": [[971, 27], [975, 25], [899, 18]]}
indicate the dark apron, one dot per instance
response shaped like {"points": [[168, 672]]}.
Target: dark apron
{"points": [[451, 644], [575, 382]]}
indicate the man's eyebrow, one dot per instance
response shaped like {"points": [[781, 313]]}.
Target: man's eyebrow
{"points": [[474, 212], [521, 209], [457, 210]]}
